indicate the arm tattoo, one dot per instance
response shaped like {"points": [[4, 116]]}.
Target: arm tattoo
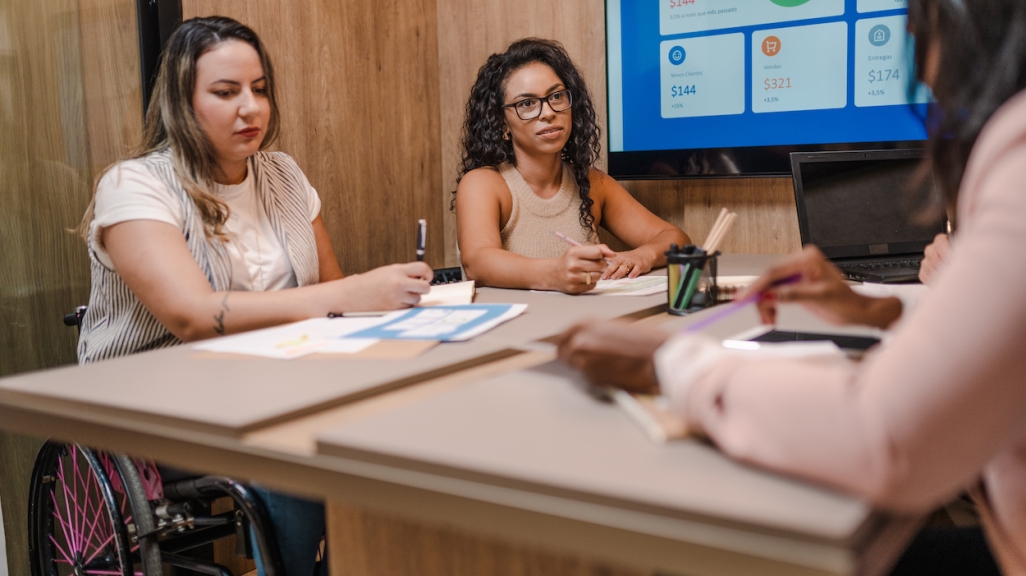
{"points": [[219, 317]]}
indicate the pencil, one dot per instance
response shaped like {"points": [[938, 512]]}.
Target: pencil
{"points": [[735, 306], [573, 242]]}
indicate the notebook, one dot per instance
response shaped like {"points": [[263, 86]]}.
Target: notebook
{"points": [[860, 210]]}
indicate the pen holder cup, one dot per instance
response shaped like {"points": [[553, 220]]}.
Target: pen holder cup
{"points": [[691, 282]]}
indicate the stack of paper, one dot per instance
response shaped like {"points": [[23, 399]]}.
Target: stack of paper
{"points": [[449, 294]]}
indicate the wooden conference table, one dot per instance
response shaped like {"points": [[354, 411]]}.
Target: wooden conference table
{"points": [[484, 457]]}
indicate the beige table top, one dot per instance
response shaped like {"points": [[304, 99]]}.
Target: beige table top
{"points": [[230, 395], [537, 431], [562, 508]]}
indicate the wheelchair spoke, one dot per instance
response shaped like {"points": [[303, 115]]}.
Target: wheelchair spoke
{"points": [[57, 516], [100, 548], [72, 541], [97, 515], [67, 557], [76, 518]]}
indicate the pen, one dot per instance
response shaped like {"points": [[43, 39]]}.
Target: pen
{"points": [[421, 238], [367, 314], [572, 242], [735, 306]]}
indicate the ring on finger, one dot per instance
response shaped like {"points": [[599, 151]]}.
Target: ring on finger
{"points": [[587, 277], [626, 265]]}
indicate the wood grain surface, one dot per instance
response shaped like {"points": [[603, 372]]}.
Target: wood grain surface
{"points": [[110, 80], [69, 105], [376, 545], [469, 31], [358, 86]]}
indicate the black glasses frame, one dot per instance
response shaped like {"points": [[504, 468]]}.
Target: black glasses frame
{"points": [[543, 100]]}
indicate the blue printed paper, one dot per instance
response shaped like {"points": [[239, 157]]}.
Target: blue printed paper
{"points": [[443, 323]]}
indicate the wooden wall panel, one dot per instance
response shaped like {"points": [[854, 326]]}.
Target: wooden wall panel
{"points": [[69, 105], [359, 95], [110, 79], [471, 30], [767, 218]]}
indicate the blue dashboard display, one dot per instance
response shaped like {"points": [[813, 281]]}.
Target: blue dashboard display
{"points": [[729, 74]]}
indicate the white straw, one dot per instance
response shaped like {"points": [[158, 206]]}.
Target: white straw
{"points": [[720, 221], [712, 248]]}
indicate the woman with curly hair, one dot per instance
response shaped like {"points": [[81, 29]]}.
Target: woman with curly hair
{"points": [[529, 144]]}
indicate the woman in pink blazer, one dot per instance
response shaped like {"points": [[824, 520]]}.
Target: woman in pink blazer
{"points": [[940, 407]]}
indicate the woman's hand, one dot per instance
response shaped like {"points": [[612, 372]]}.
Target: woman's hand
{"points": [[822, 290], [629, 264], [579, 268], [386, 288], [614, 354], [933, 257]]}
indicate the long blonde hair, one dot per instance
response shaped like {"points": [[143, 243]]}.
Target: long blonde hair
{"points": [[171, 122]]}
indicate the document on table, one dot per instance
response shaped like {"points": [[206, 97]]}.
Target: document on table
{"points": [[324, 335], [909, 294], [640, 286], [444, 323]]}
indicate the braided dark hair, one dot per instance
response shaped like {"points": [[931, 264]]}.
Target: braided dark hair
{"points": [[485, 121]]}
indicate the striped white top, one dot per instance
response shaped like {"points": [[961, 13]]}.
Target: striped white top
{"points": [[116, 323]]}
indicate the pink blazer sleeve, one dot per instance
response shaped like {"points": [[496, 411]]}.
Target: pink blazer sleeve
{"points": [[917, 420]]}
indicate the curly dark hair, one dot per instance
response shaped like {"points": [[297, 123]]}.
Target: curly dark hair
{"points": [[485, 122]]}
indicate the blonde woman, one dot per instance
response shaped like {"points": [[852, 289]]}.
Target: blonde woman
{"points": [[203, 233]]}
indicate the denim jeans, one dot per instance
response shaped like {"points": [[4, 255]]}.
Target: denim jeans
{"points": [[298, 528]]}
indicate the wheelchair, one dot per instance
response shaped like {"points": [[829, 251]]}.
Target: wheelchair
{"points": [[96, 513]]}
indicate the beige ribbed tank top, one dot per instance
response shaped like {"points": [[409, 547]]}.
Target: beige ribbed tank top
{"points": [[530, 226]]}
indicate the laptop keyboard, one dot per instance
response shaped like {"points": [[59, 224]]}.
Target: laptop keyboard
{"points": [[870, 266], [867, 270]]}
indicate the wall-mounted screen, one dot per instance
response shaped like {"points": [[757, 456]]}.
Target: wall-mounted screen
{"points": [[732, 87]]}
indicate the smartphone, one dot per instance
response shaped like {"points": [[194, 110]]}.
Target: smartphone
{"points": [[846, 342]]}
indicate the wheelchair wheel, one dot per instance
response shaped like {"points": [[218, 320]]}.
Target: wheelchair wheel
{"points": [[79, 525], [147, 551]]}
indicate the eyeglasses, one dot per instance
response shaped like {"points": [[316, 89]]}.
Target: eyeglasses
{"points": [[531, 108]]}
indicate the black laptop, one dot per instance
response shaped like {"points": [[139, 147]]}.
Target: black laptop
{"points": [[859, 209]]}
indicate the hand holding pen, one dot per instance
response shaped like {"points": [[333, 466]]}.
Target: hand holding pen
{"points": [[618, 264], [579, 269], [819, 286]]}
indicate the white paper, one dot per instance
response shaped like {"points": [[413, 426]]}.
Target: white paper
{"points": [[299, 338], [909, 294], [736, 281], [640, 286], [804, 349]]}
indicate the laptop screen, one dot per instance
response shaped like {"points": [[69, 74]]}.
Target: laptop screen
{"points": [[854, 204]]}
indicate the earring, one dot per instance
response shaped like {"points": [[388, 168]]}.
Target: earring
{"points": [[505, 135]]}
